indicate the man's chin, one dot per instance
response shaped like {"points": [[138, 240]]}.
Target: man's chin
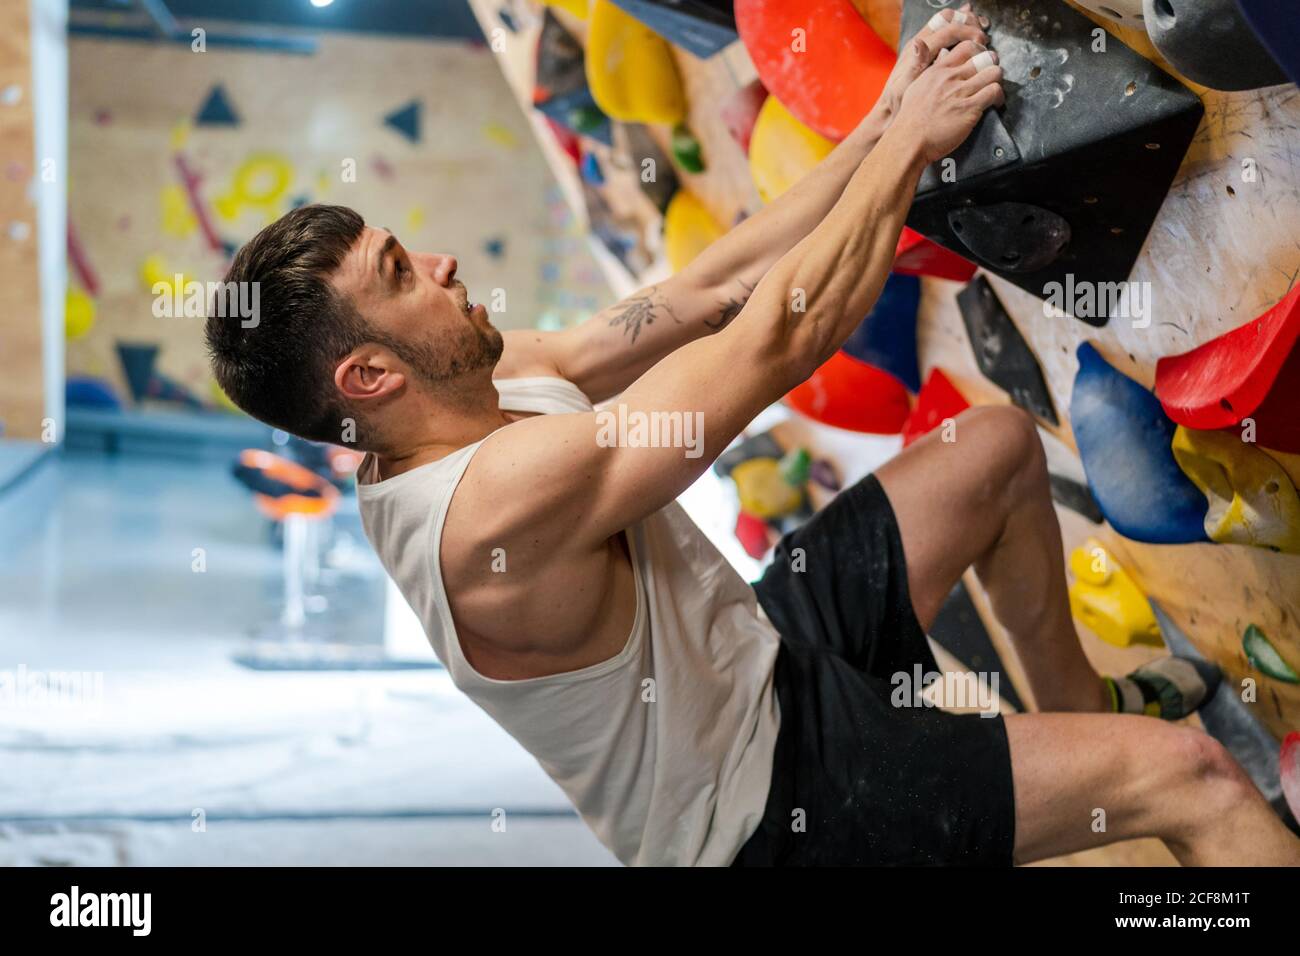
{"points": [[493, 344]]}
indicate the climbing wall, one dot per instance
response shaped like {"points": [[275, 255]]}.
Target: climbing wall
{"points": [[170, 175], [22, 400], [1194, 199], [1223, 248]]}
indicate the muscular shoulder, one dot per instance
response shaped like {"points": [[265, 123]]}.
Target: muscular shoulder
{"points": [[525, 594]]}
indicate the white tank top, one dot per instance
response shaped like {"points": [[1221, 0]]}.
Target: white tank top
{"points": [[678, 780]]}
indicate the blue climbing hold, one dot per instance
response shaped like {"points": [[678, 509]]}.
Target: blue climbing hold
{"points": [[700, 28], [216, 110], [1124, 439], [406, 120], [591, 171], [886, 338], [1278, 28], [138, 360], [85, 391]]}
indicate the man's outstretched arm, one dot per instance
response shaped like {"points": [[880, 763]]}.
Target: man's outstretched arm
{"points": [[587, 482], [608, 352]]}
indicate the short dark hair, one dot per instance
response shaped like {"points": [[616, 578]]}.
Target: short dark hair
{"points": [[281, 369]]}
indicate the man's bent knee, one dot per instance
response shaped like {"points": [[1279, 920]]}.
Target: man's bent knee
{"points": [[1199, 774], [1004, 440]]}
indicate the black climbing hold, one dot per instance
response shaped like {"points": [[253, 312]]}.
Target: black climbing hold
{"points": [[1075, 496], [1211, 43], [1011, 236], [1096, 139], [1003, 355], [957, 628], [762, 445], [560, 88], [653, 167]]}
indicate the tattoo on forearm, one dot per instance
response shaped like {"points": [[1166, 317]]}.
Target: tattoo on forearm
{"points": [[640, 310], [731, 308]]}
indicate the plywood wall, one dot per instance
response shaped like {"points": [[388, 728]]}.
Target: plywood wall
{"points": [[22, 397], [1224, 247], [474, 184]]}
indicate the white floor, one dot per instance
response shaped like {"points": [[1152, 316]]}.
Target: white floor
{"points": [[160, 729]]}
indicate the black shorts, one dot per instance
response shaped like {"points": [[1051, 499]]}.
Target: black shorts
{"points": [[877, 784]]}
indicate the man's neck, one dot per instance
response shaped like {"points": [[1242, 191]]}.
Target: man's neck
{"points": [[434, 427]]}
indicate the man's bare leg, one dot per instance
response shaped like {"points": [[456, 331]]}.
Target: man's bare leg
{"points": [[984, 500], [1150, 778]]}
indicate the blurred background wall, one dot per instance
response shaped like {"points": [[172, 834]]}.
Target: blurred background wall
{"points": [[179, 156]]}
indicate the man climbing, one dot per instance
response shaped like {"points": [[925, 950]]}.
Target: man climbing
{"points": [[691, 718]]}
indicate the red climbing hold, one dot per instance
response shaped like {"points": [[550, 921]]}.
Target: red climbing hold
{"points": [[1251, 372], [739, 112], [916, 255], [850, 394], [1289, 771], [939, 399], [751, 532], [567, 139], [820, 58]]}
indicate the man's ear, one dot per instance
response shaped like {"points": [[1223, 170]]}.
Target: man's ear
{"points": [[368, 373]]}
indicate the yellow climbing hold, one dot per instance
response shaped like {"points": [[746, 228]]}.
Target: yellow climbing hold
{"points": [[222, 399], [576, 7], [1290, 463], [501, 134], [1252, 499], [764, 493], [261, 181], [78, 313], [688, 229], [154, 270], [1105, 600], [180, 133], [415, 218], [178, 218], [781, 150], [631, 70]]}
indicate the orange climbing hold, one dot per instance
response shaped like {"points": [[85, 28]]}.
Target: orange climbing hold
{"points": [[818, 57]]}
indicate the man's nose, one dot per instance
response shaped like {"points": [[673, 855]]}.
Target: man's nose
{"points": [[444, 268]]}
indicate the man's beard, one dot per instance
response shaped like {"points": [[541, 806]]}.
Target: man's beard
{"points": [[477, 349]]}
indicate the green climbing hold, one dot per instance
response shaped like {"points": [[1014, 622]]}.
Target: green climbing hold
{"points": [[686, 149], [1263, 655], [796, 466], [587, 119]]}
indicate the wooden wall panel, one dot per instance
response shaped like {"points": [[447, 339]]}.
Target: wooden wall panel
{"points": [[22, 398]]}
